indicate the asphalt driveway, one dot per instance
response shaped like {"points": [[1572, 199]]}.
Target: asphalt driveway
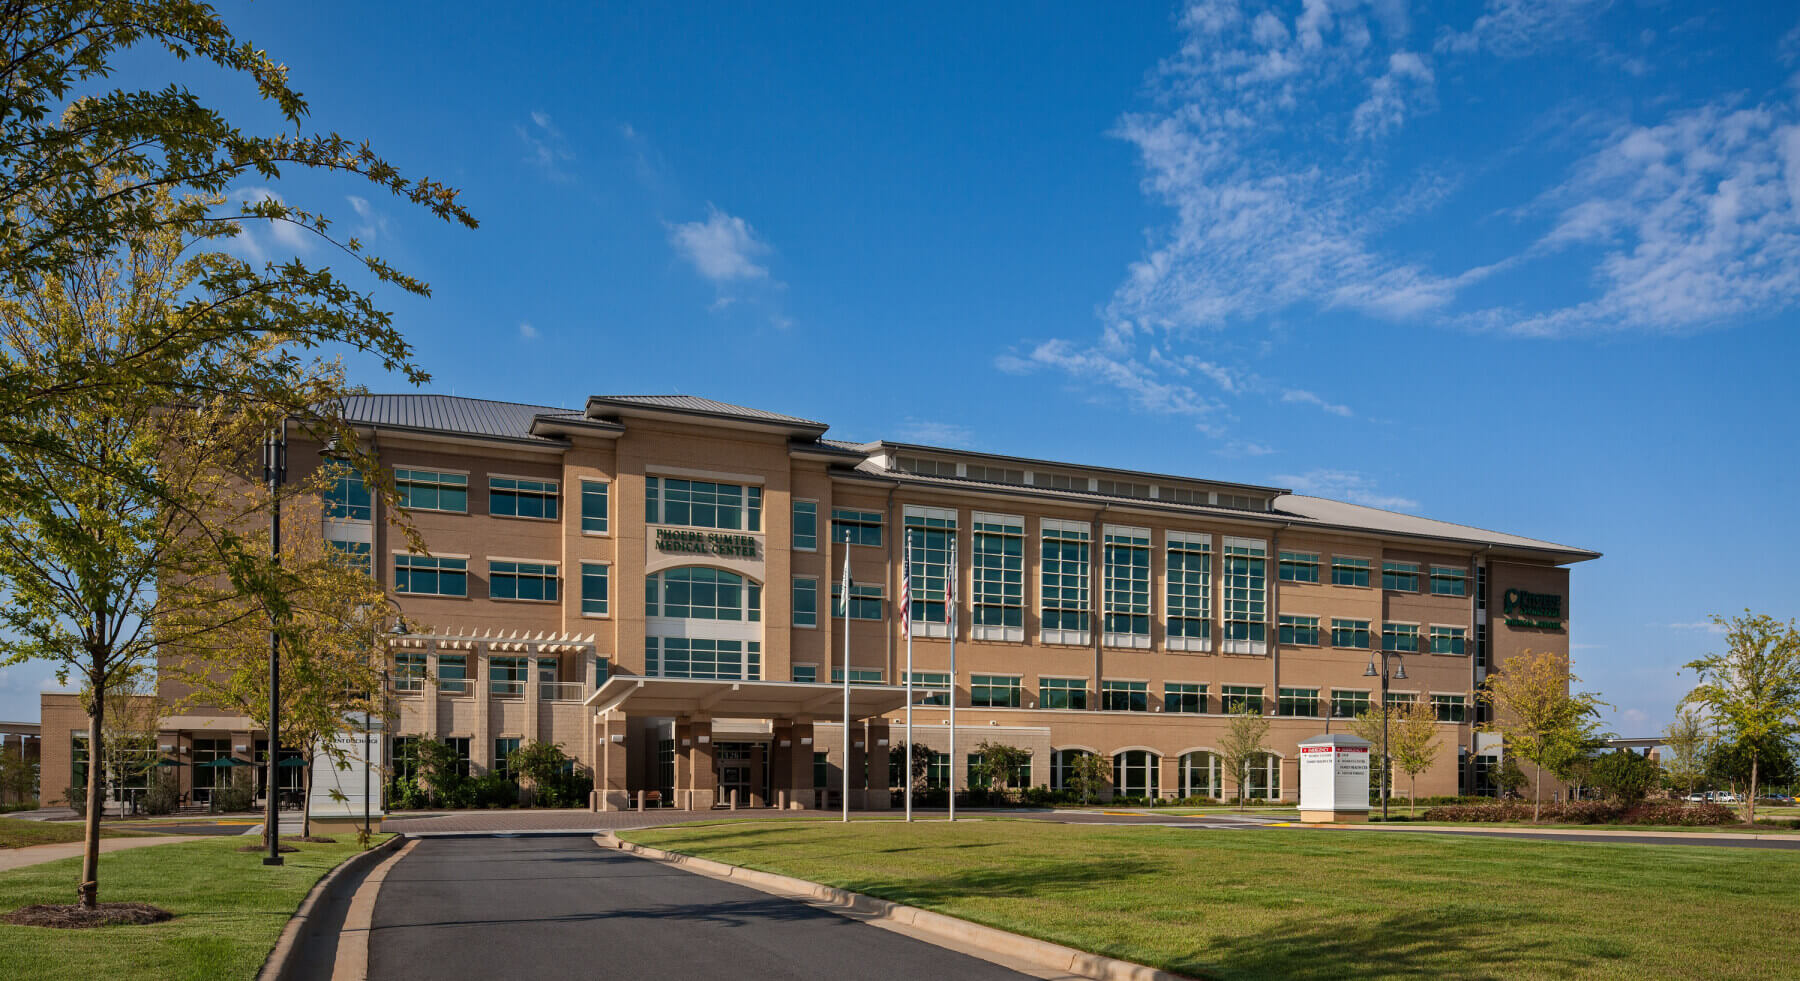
{"points": [[562, 907]]}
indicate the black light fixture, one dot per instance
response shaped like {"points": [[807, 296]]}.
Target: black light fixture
{"points": [[1397, 674], [333, 450], [398, 630]]}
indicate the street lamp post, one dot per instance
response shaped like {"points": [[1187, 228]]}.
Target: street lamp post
{"points": [[274, 472], [1398, 674], [368, 710]]}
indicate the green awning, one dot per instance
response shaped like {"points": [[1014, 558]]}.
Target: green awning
{"points": [[169, 762], [291, 761], [225, 761]]}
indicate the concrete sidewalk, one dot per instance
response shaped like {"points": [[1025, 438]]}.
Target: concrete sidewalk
{"points": [[1598, 834], [18, 858]]}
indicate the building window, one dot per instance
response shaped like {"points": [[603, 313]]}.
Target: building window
{"points": [[1019, 778], [1237, 699], [1122, 488], [1349, 572], [1062, 693], [938, 681], [1125, 554], [1058, 481], [1299, 631], [1299, 567], [1189, 590], [1062, 764], [426, 575], [1350, 633], [520, 497], [503, 750], [1448, 640], [994, 691], [993, 475], [806, 674], [858, 676], [1064, 582], [1399, 700], [548, 669], [432, 490], [698, 657], [929, 535], [1450, 708], [856, 527], [1297, 702], [865, 601], [1449, 580], [937, 771], [522, 581], [806, 526], [806, 601], [1200, 775], [702, 504], [699, 593], [353, 555], [998, 569], [595, 600], [1124, 696], [595, 506], [1136, 773], [1481, 587], [409, 671], [1348, 704], [506, 676], [1481, 646], [1400, 576], [1246, 596], [930, 468], [821, 770], [1263, 777], [1184, 697], [453, 674], [1402, 637], [459, 751], [346, 497]]}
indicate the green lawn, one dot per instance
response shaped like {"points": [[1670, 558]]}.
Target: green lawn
{"points": [[15, 833], [1297, 904], [229, 909]]}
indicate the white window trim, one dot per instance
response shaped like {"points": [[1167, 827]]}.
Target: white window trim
{"points": [[1013, 524], [1189, 538], [1014, 635], [1202, 645], [1127, 531], [609, 506], [607, 565], [815, 624], [991, 518], [1083, 528], [1189, 541], [1255, 543], [816, 524], [922, 512], [1139, 642], [1078, 638]]}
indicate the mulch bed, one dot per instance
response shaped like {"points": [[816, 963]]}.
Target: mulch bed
{"points": [[76, 918]]}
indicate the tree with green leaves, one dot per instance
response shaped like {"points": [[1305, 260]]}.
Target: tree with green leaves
{"points": [[1539, 720], [1241, 744], [1625, 776], [18, 776], [1412, 734], [1087, 774], [543, 766], [998, 763], [921, 764], [432, 763], [1751, 691], [1684, 763]]}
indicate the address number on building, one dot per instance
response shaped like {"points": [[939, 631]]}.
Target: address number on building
{"points": [[706, 543]]}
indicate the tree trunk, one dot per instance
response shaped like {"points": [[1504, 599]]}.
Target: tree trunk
{"points": [[1750, 798], [1537, 801], [89, 890], [1412, 795], [306, 802]]}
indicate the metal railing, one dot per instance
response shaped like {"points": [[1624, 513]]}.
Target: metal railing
{"points": [[454, 686], [560, 691], [506, 689]]}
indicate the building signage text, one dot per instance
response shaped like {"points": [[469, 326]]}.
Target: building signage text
{"points": [[706, 543], [1525, 609]]}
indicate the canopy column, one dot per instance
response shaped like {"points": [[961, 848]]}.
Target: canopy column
{"points": [[611, 790]]}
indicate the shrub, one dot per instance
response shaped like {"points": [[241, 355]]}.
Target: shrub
{"points": [[492, 790], [1588, 812], [240, 795], [76, 797], [404, 794], [1626, 776], [163, 795]]}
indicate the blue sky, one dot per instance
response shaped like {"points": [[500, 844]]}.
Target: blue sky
{"points": [[1531, 266]]}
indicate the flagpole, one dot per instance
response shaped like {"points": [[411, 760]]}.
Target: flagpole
{"points": [[950, 618], [844, 782], [906, 628]]}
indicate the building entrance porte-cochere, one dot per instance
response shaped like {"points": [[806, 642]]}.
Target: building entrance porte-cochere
{"points": [[696, 744]]}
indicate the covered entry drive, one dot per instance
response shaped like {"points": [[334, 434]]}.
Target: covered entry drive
{"points": [[690, 743]]}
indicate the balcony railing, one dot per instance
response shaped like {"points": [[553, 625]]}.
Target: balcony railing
{"points": [[506, 689], [561, 691], [454, 686]]}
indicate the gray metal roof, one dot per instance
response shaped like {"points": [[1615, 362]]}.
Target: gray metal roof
{"points": [[1344, 514], [697, 405], [450, 414]]}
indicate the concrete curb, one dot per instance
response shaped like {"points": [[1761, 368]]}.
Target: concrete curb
{"points": [[923, 924], [1599, 831], [281, 960]]}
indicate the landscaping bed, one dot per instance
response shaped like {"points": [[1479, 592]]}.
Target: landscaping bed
{"points": [[228, 908], [1659, 812], [1274, 904]]}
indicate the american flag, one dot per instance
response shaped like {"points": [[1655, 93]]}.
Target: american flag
{"points": [[950, 589], [906, 588]]}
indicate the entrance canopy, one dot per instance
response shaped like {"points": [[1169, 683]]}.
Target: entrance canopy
{"points": [[686, 697]]}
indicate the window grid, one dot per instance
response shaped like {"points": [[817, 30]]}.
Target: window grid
{"points": [[807, 674], [1346, 571], [1449, 640], [1299, 567], [806, 526], [522, 581], [1234, 699], [865, 601], [1401, 577], [994, 691], [1189, 590], [998, 568], [1450, 708], [1126, 578], [425, 575], [346, 497], [699, 593], [1350, 633], [595, 506], [1062, 693], [432, 490], [806, 601], [518, 497], [695, 657], [858, 676], [1064, 583], [1348, 704], [1401, 637], [1184, 697], [856, 527], [1298, 630], [939, 681], [1246, 595], [595, 588], [353, 555], [1297, 702], [1125, 696], [1449, 580], [929, 534], [702, 504]]}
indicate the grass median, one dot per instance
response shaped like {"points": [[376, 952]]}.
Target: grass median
{"points": [[229, 910], [18, 833], [1294, 904]]}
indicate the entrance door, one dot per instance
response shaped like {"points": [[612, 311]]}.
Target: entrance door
{"points": [[734, 776]]}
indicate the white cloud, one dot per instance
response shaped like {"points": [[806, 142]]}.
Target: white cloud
{"points": [[1345, 485], [262, 239], [1305, 397], [723, 248], [1704, 625], [1515, 28], [1385, 109], [527, 332], [545, 145], [935, 433], [1116, 370]]}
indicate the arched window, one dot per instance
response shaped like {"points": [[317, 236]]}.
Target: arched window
{"points": [[1200, 775], [1062, 763], [1262, 777], [1135, 773], [699, 593]]}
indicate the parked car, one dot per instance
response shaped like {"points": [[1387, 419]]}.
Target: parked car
{"points": [[1775, 799], [1697, 798], [1726, 797]]}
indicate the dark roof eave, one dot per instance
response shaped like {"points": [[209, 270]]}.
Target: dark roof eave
{"points": [[599, 427], [814, 449], [539, 442], [921, 447], [799, 427]]}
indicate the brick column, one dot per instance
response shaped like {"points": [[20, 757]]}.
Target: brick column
{"points": [[612, 778], [800, 765], [428, 693], [684, 764], [878, 797], [481, 743], [759, 763], [1169, 775], [533, 695]]}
